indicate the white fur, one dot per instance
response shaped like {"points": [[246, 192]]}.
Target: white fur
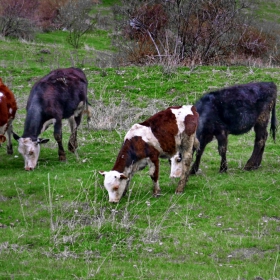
{"points": [[114, 184], [47, 123], [180, 115], [145, 133], [176, 167], [30, 151]]}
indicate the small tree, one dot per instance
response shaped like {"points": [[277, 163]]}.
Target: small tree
{"points": [[75, 17]]}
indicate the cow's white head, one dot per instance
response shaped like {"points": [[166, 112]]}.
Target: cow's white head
{"points": [[115, 183], [30, 150], [176, 165]]}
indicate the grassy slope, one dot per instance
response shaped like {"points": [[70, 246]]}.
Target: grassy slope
{"points": [[56, 222]]}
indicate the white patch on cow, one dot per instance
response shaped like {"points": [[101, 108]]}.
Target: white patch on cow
{"points": [[47, 124], [72, 123], [145, 133], [180, 115], [114, 184], [176, 165], [30, 151], [1, 94], [11, 111], [79, 109], [3, 129]]}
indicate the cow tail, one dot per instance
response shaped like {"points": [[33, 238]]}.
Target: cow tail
{"points": [[273, 125], [88, 111]]}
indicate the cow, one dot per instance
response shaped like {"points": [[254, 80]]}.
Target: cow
{"points": [[8, 108], [62, 94], [162, 135], [235, 110]]}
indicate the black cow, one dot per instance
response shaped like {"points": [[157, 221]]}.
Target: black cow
{"points": [[62, 94], [235, 110]]}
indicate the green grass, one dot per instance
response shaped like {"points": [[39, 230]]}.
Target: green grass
{"points": [[56, 222]]}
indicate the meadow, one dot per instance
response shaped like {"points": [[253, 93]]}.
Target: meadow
{"points": [[56, 221]]}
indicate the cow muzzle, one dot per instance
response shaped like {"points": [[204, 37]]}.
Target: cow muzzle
{"points": [[174, 176], [115, 200], [28, 168]]}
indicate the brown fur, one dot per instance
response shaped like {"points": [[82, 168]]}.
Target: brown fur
{"points": [[164, 127], [8, 108]]}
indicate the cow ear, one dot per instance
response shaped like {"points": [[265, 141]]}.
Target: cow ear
{"points": [[123, 176], [42, 140], [16, 137], [103, 173]]}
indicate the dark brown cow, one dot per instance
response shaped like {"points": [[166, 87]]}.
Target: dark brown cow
{"points": [[8, 108], [62, 94], [162, 135]]}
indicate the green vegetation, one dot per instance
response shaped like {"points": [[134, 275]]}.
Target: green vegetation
{"points": [[56, 222]]}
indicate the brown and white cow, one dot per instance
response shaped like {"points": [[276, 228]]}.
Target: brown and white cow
{"points": [[8, 108], [62, 94], [162, 135]]}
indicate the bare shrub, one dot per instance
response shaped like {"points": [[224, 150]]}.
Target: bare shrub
{"points": [[48, 11], [189, 32], [17, 18], [119, 113], [74, 16]]}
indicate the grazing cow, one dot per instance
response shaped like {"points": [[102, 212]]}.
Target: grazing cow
{"points": [[162, 135], [235, 110], [62, 94], [8, 108]]}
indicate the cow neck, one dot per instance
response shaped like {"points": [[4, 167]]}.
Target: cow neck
{"points": [[127, 157], [33, 124]]}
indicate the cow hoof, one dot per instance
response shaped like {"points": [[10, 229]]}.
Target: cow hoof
{"points": [[156, 194], [223, 171], [250, 168], [62, 158], [179, 192]]}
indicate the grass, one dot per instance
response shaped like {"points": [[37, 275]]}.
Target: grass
{"points": [[56, 222]]}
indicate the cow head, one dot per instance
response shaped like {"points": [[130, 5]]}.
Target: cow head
{"points": [[176, 164], [30, 150], [115, 183]]}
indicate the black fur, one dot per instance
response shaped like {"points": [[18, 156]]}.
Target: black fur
{"points": [[235, 110]]}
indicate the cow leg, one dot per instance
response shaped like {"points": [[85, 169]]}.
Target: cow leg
{"points": [[222, 139], [9, 143], [186, 150], [261, 135], [199, 152], [74, 123], [154, 173], [58, 137]]}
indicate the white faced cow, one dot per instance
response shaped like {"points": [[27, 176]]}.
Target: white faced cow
{"points": [[62, 94], [8, 108], [162, 135]]}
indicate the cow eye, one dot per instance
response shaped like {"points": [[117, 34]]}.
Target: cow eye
{"points": [[178, 159], [31, 153]]}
